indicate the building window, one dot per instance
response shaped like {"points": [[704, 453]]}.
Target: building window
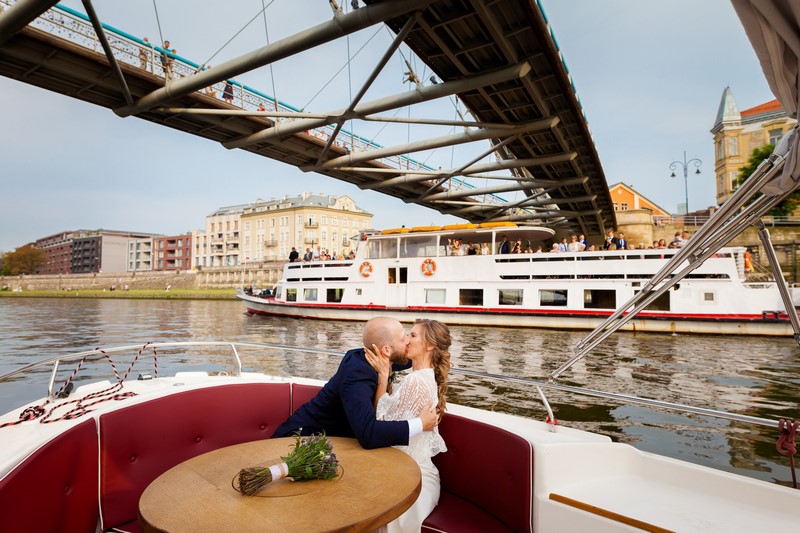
{"points": [[623, 206], [733, 146], [324, 219], [334, 220], [775, 136], [734, 178], [616, 206], [720, 150]]}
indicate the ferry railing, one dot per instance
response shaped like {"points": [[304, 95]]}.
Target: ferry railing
{"points": [[528, 382], [70, 25]]}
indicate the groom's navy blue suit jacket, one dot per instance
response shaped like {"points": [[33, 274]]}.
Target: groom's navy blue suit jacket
{"points": [[343, 408]]}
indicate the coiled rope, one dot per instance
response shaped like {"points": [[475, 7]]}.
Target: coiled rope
{"points": [[80, 407]]}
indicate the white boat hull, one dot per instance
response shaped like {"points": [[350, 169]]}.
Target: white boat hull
{"points": [[769, 326]]}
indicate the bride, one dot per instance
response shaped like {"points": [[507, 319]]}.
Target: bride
{"points": [[428, 345]]}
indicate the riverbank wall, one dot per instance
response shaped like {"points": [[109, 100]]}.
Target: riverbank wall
{"points": [[264, 274]]}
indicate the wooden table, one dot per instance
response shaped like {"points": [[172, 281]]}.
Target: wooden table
{"points": [[374, 488]]}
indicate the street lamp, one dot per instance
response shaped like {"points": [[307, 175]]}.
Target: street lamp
{"points": [[685, 164]]}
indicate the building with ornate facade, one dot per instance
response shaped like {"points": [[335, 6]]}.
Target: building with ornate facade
{"points": [[738, 133], [271, 229]]}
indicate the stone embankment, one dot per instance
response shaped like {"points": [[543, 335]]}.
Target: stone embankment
{"points": [[263, 275]]}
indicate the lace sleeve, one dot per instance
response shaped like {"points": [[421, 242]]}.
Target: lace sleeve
{"points": [[414, 393]]}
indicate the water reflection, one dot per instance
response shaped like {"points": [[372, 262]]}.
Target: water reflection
{"points": [[743, 375]]}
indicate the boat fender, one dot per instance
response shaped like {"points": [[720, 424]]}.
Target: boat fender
{"points": [[429, 267], [365, 269]]}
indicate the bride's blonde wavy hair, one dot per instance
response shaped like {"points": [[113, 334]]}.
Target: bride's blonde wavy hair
{"points": [[437, 334]]}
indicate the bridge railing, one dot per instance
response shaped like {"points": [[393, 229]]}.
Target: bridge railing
{"points": [[75, 27]]}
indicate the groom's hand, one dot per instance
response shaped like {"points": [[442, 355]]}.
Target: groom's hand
{"points": [[429, 416]]}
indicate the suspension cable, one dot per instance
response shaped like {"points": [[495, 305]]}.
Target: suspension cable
{"points": [[271, 72], [339, 71], [158, 22], [201, 67]]}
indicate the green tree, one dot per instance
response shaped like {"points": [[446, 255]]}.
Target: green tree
{"points": [[786, 207], [24, 260]]}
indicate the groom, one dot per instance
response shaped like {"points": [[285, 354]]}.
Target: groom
{"points": [[344, 406]]}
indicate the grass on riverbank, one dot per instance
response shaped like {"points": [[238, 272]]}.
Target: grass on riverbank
{"points": [[173, 294]]}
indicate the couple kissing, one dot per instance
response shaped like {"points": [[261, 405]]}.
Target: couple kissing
{"points": [[355, 401]]}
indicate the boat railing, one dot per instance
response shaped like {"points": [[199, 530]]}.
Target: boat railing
{"points": [[234, 348]]}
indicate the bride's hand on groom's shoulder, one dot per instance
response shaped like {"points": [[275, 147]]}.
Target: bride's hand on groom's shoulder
{"points": [[379, 362]]}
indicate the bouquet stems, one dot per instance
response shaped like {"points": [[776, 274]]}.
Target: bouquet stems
{"points": [[310, 458]]}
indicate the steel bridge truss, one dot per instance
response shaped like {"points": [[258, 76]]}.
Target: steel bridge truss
{"points": [[497, 57]]}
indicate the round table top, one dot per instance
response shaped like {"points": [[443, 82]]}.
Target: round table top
{"points": [[374, 487]]}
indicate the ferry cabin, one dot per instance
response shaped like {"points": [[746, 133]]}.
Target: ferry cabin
{"points": [[414, 274]]}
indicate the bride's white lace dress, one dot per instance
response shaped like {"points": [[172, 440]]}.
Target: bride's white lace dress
{"points": [[416, 391]]}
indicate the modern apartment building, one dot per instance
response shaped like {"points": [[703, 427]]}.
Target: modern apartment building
{"points": [[737, 133], [58, 249], [218, 245], [270, 229], [101, 250], [172, 253], [140, 255]]}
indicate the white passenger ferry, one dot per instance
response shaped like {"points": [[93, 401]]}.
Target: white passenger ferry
{"points": [[412, 273]]}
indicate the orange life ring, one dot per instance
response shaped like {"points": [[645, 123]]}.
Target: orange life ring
{"points": [[429, 267], [365, 269]]}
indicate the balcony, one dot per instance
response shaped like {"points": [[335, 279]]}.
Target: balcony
{"points": [[270, 244], [311, 224]]}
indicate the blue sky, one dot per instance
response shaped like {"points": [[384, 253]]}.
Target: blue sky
{"points": [[649, 75]]}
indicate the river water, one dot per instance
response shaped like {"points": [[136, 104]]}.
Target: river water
{"points": [[746, 375]]}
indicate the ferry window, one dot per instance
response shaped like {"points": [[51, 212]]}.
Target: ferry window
{"points": [[392, 272], [660, 304], [335, 295], [291, 295], [600, 299], [310, 295], [278, 292], [381, 248], [358, 292], [403, 274], [470, 297], [434, 296], [424, 246], [553, 297], [708, 296], [509, 296]]}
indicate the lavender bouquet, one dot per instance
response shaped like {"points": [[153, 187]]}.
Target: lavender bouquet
{"points": [[311, 458]]}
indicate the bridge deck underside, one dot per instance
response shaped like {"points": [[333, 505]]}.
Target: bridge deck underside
{"points": [[457, 39]]}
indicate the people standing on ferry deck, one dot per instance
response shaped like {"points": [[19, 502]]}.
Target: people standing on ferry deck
{"points": [[555, 248], [428, 350], [610, 239], [471, 249], [563, 246], [166, 61], [485, 250], [345, 405], [683, 238], [308, 255], [574, 244], [505, 246], [528, 249], [293, 255], [662, 243], [351, 255], [517, 248], [315, 255], [538, 249], [582, 240], [622, 244]]}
